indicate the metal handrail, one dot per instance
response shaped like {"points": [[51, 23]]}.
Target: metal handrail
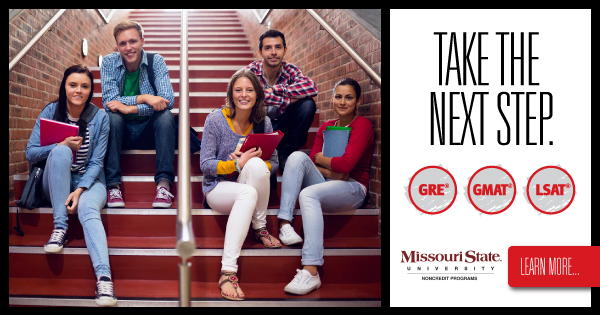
{"points": [[106, 18], [376, 78], [185, 234], [261, 18], [34, 40]]}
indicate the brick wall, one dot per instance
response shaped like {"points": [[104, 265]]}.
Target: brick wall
{"points": [[35, 80], [320, 57]]}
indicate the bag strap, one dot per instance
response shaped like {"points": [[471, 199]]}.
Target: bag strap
{"points": [[18, 227], [87, 116], [150, 71]]}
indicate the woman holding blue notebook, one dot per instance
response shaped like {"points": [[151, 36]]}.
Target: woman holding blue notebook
{"points": [[330, 184]]}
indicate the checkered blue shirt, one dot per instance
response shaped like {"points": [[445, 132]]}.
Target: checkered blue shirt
{"points": [[290, 83], [112, 73]]}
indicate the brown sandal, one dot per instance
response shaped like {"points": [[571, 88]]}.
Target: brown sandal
{"points": [[231, 277], [262, 232]]}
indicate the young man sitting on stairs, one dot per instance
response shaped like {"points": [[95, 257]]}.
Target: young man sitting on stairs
{"points": [[288, 94], [138, 97]]}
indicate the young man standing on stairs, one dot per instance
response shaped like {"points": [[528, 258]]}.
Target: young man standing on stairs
{"points": [[139, 111], [288, 94]]}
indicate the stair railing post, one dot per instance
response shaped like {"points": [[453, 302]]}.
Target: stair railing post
{"points": [[185, 234]]}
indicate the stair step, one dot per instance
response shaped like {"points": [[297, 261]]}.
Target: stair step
{"points": [[200, 53], [212, 71], [141, 187], [205, 243], [144, 293], [194, 18], [197, 34], [196, 85], [193, 47], [254, 265], [198, 23], [197, 40], [148, 222], [193, 28], [211, 61]]}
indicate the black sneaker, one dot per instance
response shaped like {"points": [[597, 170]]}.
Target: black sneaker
{"points": [[105, 294], [56, 241]]}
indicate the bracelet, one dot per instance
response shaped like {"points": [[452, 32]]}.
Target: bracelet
{"points": [[237, 167]]}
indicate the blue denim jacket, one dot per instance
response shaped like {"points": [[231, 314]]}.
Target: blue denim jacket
{"points": [[94, 163]]}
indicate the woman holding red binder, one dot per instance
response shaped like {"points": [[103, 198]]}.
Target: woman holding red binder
{"points": [[324, 184], [77, 185], [237, 183]]}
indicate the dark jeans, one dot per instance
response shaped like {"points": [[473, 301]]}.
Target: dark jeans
{"points": [[158, 133], [294, 123]]}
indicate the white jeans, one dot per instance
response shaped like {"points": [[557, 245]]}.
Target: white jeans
{"points": [[246, 201]]}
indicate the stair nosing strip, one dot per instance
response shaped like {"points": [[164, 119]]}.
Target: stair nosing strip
{"points": [[198, 33], [203, 68], [197, 45], [167, 52], [194, 302], [213, 58], [192, 94], [198, 252], [195, 211]]}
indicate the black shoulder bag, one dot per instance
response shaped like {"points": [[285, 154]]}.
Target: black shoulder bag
{"points": [[33, 196]]}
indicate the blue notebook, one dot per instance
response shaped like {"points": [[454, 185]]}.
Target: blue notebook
{"points": [[335, 142]]}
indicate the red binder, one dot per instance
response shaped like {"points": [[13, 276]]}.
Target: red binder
{"points": [[52, 131], [266, 141]]}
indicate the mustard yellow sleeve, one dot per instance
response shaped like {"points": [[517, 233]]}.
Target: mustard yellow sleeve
{"points": [[225, 167], [268, 165]]}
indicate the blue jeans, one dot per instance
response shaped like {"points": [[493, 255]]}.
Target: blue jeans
{"points": [[315, 194], [294, 123], [158, 133], [58, 183]]}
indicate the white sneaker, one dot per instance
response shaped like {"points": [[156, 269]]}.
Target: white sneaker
{"points": [[105, 293], [303, 283], [56, 241], [288, 236]]}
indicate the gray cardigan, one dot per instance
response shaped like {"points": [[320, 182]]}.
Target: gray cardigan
{"points": [[218, 141]]}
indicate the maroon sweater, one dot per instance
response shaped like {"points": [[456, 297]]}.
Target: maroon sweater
{"points": [[359, 151]]}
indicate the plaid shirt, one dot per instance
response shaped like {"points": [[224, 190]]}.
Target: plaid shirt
{"points": [[112, 73], [289, 83]]}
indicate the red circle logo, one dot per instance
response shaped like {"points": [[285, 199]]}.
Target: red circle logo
{"points": [[432, 190], [551, 190], [491, 190]]}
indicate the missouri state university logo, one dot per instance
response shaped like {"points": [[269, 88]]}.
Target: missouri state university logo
{"points": [[491, 190], [550, 190], [432, 190]]}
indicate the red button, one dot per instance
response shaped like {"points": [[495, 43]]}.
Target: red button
{"points": [[554, 266]]}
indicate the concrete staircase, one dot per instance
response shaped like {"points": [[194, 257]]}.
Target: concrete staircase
{"points": [[141, 240]]}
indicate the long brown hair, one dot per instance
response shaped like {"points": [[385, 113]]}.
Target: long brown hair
{"points": [[258, 110]]}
